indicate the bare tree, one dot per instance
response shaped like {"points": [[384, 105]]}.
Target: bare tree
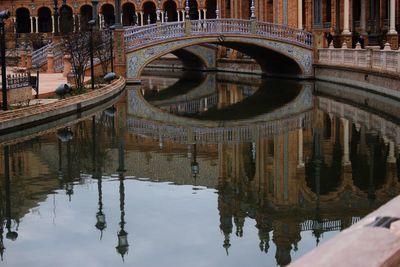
{"points": [[101, 51], [77, 45]]}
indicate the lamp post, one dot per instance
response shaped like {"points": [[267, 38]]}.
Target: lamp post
{"points": [[92, 24], [3, 16], [112, 28]]}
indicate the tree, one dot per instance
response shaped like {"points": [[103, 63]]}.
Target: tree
{"points": [[77, 45], [101, 51]]}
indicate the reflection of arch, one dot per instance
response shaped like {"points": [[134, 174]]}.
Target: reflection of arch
{"points": [[86, 15], [23, 20], [128, 11], [108, 12], [193, 11], [45, 22], [211, 6], [170, 10], [66, 19], [149, 9]]}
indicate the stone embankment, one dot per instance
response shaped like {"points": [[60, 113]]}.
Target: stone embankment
{"points": [[20, 119]]}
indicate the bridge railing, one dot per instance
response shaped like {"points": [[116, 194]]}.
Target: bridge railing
{"points": [[153, 33], [39, 56]]}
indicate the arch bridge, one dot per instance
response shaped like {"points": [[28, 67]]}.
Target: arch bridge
{"points": [[280, 50]]}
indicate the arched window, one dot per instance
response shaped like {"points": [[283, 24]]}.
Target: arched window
{"points": [[150, 15], [108, 12], [86, 16], [45, 20], [66, 19], [23, 20], [170, 11], [129, 17]]}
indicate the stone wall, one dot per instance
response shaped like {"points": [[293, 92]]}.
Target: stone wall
{"points": [[19, 95]]}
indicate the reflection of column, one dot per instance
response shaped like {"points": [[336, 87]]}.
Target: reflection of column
{"points": [[301, 161], [346, 159], [391, 157]]}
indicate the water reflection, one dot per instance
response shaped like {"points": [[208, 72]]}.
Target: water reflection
{"points": [[268, 189]]}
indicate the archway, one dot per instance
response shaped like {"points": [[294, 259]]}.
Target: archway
{"points": [[193, 10], [109, 17], [170, 11], [211, 6], [45, 21], [149, 9], [129, 17], [86, 15], [23, 20], [66, 19]]}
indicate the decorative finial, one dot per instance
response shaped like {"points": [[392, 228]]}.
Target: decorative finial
{"points": [[253, 9], [187, 9]]}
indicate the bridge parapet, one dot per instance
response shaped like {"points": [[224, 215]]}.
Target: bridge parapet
{"points": [[137, 37]]}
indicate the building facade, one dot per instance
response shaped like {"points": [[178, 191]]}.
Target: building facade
{"points": [[372, 22]]}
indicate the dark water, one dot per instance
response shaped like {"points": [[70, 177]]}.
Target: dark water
{"points": [[223, 170]]}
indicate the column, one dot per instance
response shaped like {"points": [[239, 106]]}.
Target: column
{"points": [[178, 14], [31, 24], [346, 159], [300, 14], [392, 25], [199, 11], [346, 29], [52, 24], [391, 156], [204, 13], [183, 15], [363, 18], [100, 21], [162, 17], [74, 22], [141, 18], [37, 24]]}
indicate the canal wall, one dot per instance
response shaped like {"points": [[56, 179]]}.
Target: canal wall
{"points": [[22, 119], [381, 82]]}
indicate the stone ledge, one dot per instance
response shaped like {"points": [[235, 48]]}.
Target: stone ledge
{"points": [[360, 245], [30, 116], [385, 73]]}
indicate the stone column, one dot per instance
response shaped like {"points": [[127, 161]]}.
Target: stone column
{"points": [[204, 13], [392, 36], [346, 158], [31, 24], [346, 33], [199, 11], [52, 24], [183, 15], [37, 24], [178, 13], [300, 14], [391, 156], [162, 17], [363, 18], [141, 18]]}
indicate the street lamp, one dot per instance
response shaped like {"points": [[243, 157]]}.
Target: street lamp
{"points": [[5, 14], [92, 23], [112, 28]]}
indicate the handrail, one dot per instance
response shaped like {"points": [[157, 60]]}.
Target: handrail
{"points": [[39, 56], [166, 31]]}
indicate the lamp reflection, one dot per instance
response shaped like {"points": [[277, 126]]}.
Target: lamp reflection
{"points": [[65, 136]]}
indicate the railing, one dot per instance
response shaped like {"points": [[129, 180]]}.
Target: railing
{"points": [[325, 225], [15, 81], [380, 60], [153, 33], [39, 56], [58, 59]]}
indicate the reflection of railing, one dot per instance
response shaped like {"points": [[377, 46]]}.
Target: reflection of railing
{"points": [[192, 106], [153, 33], [379, 60], [325, 225], [214, 135]]}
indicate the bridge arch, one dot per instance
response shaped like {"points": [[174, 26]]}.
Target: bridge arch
{"points": [[278, 49]]}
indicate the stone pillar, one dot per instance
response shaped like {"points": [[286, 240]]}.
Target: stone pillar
{"points": [[392, 36], [29, 59], [204, 13], [141, 18], [162, 17], [119, 48], [31, 24], [67, 65], [52, 24], [199, 11], [363, 18], [346, 158], [391, 156], [346, 33], [22, 56], [37, 24], [50, 62], [300, 14], [178, 13], [183, 15]]}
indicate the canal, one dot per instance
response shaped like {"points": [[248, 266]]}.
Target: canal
{"points": [[195, 169]]}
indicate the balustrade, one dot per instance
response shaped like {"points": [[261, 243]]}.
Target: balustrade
{"points": [[39, 56], [137, 36], [382, 60], [15, 81]]}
